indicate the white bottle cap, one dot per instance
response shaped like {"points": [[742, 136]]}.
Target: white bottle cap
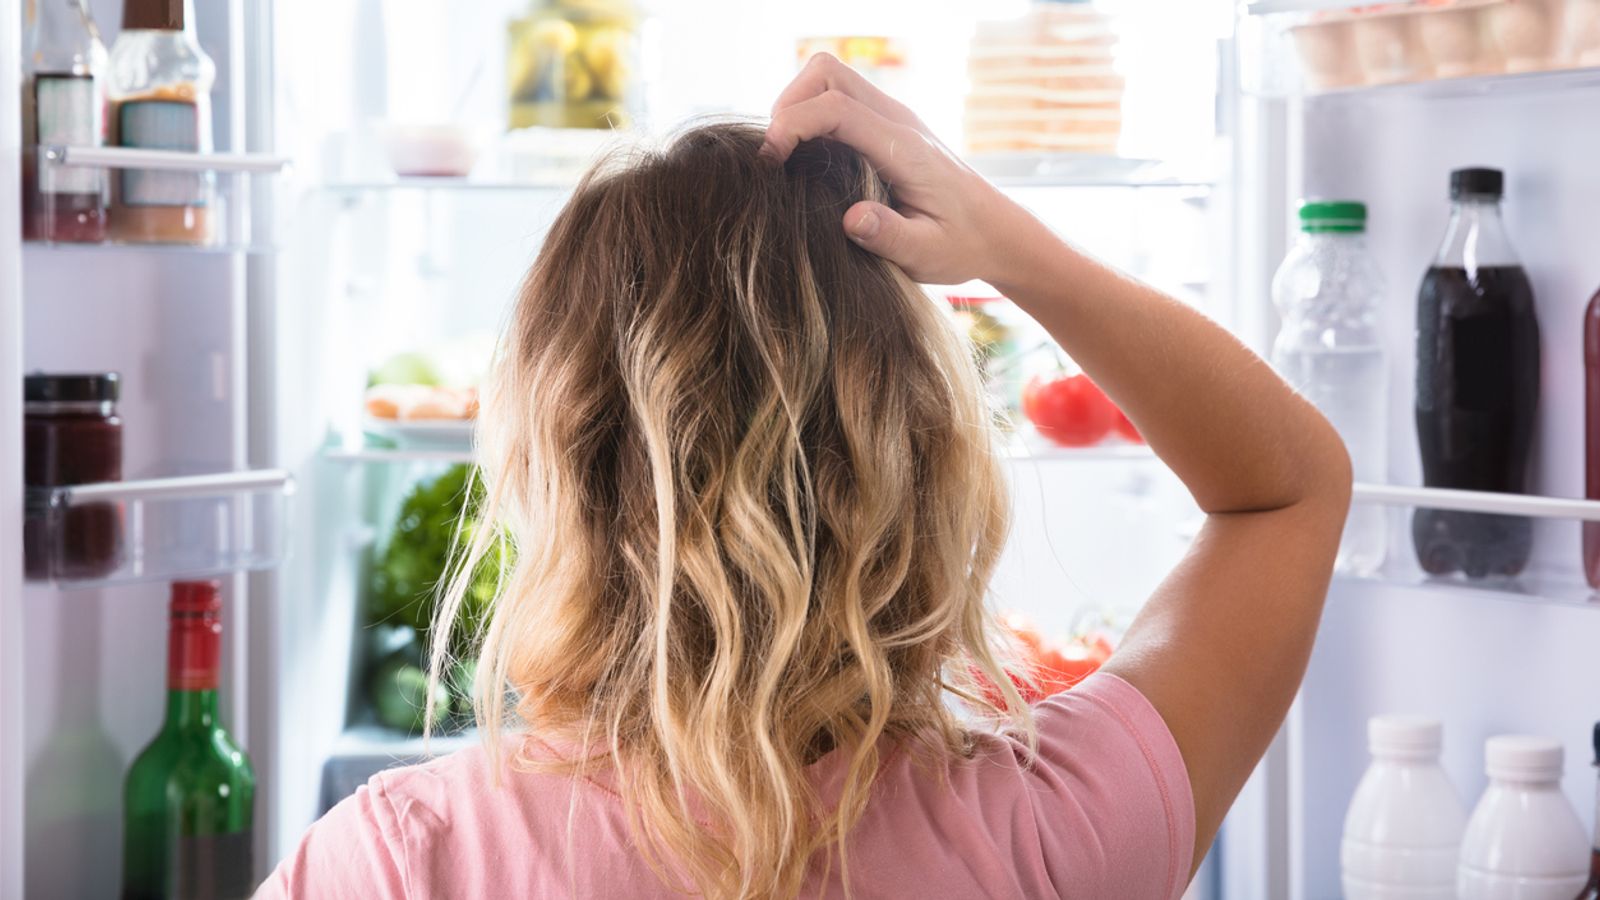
{"points": [[1404, 737], [1521, 757]]}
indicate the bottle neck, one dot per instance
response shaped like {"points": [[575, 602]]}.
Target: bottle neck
{"points": [[63, 39], [1476, 236], [194, 657], [1333, 236], [191, 710]]}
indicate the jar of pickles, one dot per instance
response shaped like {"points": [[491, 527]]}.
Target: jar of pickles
{"points": [[574, 64]]}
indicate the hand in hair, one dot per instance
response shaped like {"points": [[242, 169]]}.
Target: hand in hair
{"points": [[936, 232]]}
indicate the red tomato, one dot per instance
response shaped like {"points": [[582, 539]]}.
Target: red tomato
{"points": [[1068, 410], [1124, 428]]}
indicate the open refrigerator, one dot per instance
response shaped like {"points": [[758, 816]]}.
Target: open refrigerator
{"points": [[249, 456]]}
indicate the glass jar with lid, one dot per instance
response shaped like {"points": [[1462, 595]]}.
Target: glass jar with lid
{"points": [[71, 435], [574, 64]]}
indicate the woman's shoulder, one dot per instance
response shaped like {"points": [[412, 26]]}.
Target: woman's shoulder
{"points": [[413, 828]]}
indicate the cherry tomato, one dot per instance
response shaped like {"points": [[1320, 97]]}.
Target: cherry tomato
{"points": [[1069, 410], [1124, 428]]}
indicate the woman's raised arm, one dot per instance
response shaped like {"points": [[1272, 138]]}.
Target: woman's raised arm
{"points": [[1220, 648]]}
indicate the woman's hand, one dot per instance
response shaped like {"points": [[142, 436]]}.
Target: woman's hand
{"points": [[949, 224]]}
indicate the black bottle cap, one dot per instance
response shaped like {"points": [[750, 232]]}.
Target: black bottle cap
{"points": [[1477, 182], [1597, 743], [104, 387]]}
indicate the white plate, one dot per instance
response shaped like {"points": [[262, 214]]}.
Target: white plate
{"points": [[439, 433]]}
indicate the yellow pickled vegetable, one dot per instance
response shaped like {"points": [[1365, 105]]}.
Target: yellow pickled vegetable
{"points": [[558, 36], [576, 82], [604, 51]]}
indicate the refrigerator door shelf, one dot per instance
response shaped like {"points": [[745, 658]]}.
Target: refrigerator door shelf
{"points": [[1080, 170], [1515, 546], [159, 529], [199, 198]]}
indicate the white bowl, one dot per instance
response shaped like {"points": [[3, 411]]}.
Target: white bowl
{"points": [[431, 150]]}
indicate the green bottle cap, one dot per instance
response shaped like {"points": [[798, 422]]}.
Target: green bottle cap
{"points": [[1319, 216]]}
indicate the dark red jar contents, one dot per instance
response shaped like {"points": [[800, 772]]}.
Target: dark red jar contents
{"points": [[71, 435]]}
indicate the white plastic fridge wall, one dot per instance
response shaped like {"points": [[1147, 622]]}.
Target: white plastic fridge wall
{"points": [[1482, 664], [92, 661]]}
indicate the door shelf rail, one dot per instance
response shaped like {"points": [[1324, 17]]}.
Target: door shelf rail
{"points": [[1524, 505], [1520, 547], [158, 529], [217, 186], [166, 160]]}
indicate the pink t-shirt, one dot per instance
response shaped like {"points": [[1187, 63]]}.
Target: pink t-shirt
{"points": [[1105, 811]]}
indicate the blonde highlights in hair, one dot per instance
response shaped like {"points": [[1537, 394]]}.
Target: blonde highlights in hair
{"points": [[748, 473]]}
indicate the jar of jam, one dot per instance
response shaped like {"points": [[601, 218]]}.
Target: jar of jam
{"points": [[71, 435]]}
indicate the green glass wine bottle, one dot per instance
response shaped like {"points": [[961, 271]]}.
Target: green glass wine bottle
{"points": [[189, 797]]}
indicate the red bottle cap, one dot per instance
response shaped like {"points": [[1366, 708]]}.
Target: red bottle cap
{"points": [[194, 637]]}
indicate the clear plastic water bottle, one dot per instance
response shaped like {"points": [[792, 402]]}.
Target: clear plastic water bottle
{"points": [[1328, 292]]}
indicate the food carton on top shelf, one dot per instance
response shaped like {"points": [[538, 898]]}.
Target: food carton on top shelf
{"points": [[1424, 40]]}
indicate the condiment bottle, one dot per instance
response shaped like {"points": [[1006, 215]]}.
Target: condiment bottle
{"points": [[160, 93], [71, 435], [63, 106]]}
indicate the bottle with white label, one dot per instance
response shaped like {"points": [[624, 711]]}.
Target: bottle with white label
{"points": [[160, 93], [1402, 834], [63, 102], [1524, 840]]}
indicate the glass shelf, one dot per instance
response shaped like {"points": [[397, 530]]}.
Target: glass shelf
{"points": [[373, 741], [447, 184], [159, 529], [1019, 450], [111, 247], [1079, 170], [396, 455], [1488, 530], [1016, 450]]}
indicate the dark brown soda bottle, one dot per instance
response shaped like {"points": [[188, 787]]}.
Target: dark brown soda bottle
{"points": [[1591, 891], [1477, 385]]}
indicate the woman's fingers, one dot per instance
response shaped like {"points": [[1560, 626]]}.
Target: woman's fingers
{"points": [[824, 72], [890, 147], [907, 242]]}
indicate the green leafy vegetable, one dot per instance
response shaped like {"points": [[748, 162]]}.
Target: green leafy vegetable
{"points": [[406, 579]]}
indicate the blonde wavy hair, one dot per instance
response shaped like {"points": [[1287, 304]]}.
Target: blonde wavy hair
{"points": [[748, 474]]}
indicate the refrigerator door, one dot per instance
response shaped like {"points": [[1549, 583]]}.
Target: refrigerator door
{"points": [[1483, 658], [12, 639]]}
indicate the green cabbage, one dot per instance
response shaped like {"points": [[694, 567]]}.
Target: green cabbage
{"points": [[417, 557]]}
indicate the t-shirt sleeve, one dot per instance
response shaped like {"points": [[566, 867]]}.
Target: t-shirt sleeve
{"points": [[1125, 824], [355, 850]]}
